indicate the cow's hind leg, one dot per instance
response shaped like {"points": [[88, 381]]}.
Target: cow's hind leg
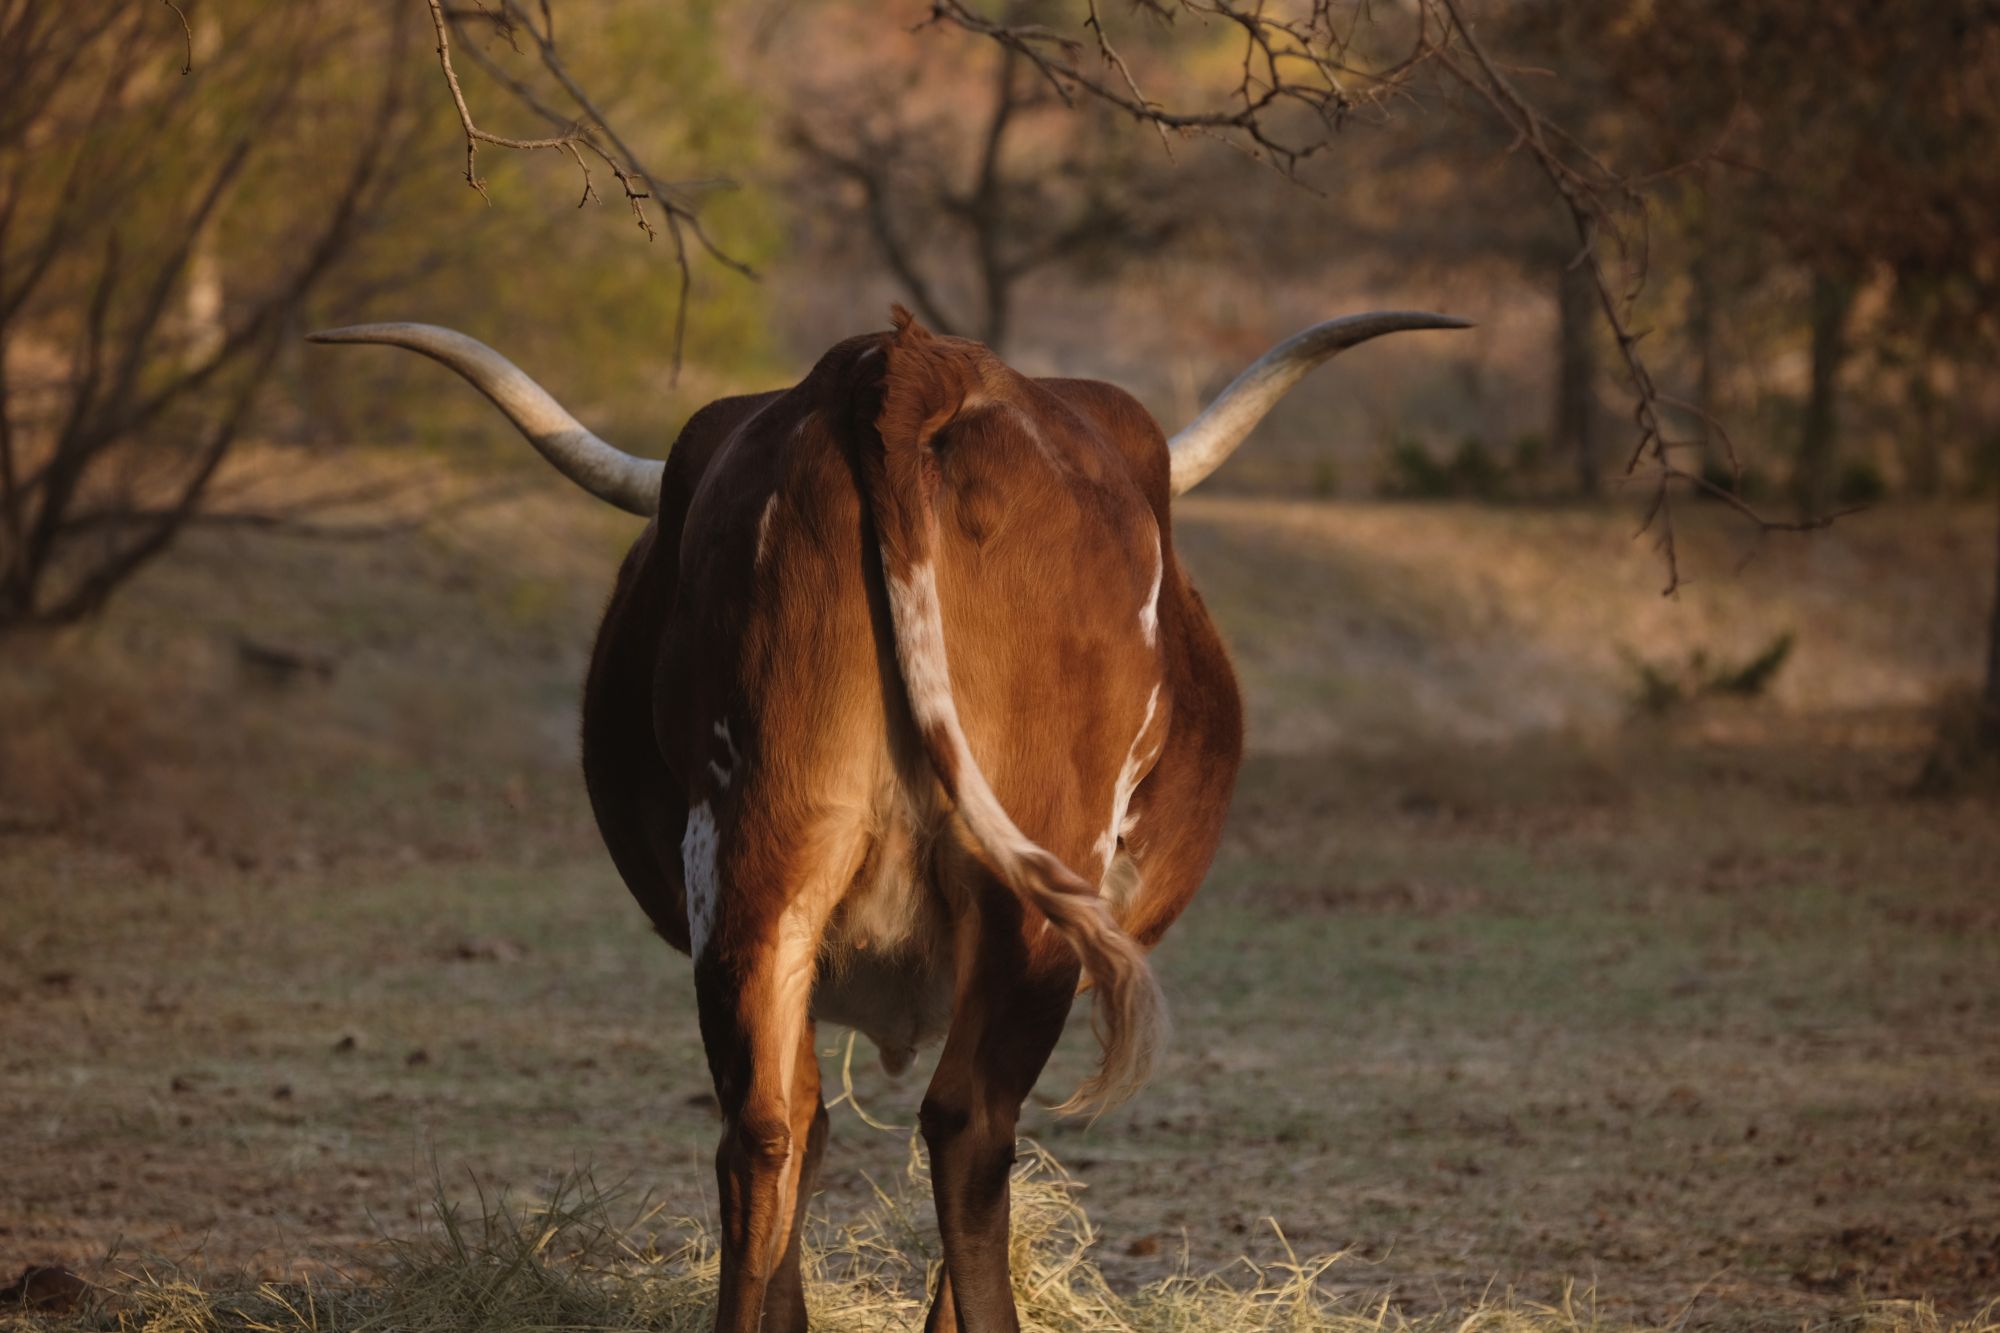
{"points": [[753, 984], [785, 1298], [753, 1029], [1012, 1003]]}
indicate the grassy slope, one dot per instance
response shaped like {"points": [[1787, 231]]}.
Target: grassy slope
{"points": [[1654, 1007]]}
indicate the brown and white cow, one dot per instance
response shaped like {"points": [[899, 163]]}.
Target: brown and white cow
{"points": [[904, 716]]}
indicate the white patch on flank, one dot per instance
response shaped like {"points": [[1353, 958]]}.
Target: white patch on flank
{"points": [[698, 872], [1149, 611], [1128, 782], [722, 773], [913, 605], [764, 528]]}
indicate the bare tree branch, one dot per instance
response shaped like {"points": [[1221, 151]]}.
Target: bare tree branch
{"points": [[1598, 200], [983, 189], [187, 34], [1300, 79], [577, 136], [120, 451]]}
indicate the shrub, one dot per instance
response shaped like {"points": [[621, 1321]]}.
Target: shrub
{"points": [[1409, 471], [1662, 688], [1860, 482], [1412, 472], [1474, 470]]}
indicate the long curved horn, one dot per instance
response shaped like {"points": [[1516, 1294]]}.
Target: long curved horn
{"points": [[1204, 443], [606, 471]]}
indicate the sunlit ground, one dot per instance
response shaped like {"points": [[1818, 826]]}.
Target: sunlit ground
{"points": [[1495, 988]]}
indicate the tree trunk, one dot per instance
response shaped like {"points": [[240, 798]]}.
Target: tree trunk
{"points": [[1990, 696], [202, 303], [1922, 448], [1701, 322], [1812, 482], [1573, 432]]}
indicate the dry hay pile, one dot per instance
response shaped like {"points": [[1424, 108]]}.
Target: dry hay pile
{"points": [[585, 1258]]}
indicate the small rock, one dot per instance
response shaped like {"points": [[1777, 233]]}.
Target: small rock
{"points": [[346, 1045], [484, 949], [49, 1290]]}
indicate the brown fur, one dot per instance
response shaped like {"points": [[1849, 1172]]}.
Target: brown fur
{"points": [[927, 384], [766, 708]]}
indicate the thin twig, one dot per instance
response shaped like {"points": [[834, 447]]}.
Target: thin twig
{"points": [[1301, 58], [187, 35], [577, 138], [1595, 195]]}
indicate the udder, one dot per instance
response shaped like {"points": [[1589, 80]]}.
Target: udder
{"points": [[899, 1001], [886, 967]]}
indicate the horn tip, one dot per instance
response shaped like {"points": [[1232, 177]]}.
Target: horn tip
{"points": [[391, 332], [347, 334], [1431, 320]]}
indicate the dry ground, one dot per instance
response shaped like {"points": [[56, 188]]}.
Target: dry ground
{"points": [[1491, 984]]}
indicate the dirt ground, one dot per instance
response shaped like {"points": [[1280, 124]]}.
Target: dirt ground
{"points": [[1699, 1012]]}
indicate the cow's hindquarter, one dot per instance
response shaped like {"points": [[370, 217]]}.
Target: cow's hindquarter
{"points": [[1045, 576], [1046, 563], [771, 714], [822, 865], [1174, 821], [1172, 824]]}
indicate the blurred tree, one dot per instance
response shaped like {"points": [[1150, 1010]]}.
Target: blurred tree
{"points": [[583, 296], [1301, 72], [1858, 145], [1573, 432], [963, 198], [164, 238], [128, 364], [1864, 139]]}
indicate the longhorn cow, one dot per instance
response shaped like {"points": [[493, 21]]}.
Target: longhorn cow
{"points": [[904, 716]]}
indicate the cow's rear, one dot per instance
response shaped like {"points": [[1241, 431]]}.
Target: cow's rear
{"points": [[914, 674], [904, 714]]}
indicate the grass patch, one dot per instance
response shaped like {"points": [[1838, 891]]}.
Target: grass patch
{"points": [[586, 1258]]}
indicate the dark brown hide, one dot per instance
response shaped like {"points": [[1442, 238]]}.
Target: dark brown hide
{"points": [[774, 770]]}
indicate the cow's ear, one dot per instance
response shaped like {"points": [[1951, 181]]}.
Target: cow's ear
{"points": [[906, 323]]}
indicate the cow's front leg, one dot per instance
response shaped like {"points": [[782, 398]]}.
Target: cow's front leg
{"points": [[1009, 1013]]}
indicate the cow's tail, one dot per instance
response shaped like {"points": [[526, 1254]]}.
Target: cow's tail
{"points": [[925, 383]]}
